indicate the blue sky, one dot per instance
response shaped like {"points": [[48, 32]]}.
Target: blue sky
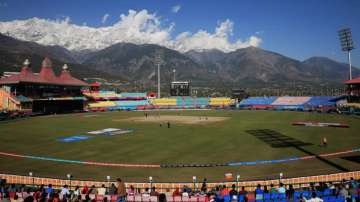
{"points": [[295, 28]]}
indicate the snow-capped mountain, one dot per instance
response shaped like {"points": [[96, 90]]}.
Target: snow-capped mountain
{"points": [[137, 27]]}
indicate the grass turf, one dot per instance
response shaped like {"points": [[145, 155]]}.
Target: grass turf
{"points": [[219, 142]]}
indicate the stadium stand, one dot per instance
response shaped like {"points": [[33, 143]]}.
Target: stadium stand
{"points": [[323, 103], [163, 102], [257, 102], [221, 102], [272, 190]]}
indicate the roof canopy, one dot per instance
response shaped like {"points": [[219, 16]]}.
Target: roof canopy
{"points": [[353, 81], [46, 76]]}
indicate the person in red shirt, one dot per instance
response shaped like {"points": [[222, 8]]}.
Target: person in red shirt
{"points": [[176, 192]]}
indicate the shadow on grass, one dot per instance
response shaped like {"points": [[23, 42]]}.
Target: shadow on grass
{"points": [[278, 140]]}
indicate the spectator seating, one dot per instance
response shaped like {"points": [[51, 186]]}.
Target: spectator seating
{"points": [[221, 101], [290, 101], [192, 102], [163, 101], [258, 102]]}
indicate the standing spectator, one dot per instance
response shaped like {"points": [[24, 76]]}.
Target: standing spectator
{"points": [[266, 191], [153, 192], [92, 190], [49, 190], [233, 193], [272, 189], [101, 190], [290, 192], [121, 190], [204, 186], [176, 192], [282, 189], [112, 189], [85, 190], [77, 191], [259, 194], [243, 192], [64, 191]]}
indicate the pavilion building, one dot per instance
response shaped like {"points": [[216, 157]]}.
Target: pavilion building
{"points": [[43, 92]]}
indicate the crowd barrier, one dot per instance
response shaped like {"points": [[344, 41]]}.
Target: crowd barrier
{"points": [[297, 182]]}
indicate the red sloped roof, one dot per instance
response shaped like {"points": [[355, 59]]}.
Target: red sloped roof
{"points": [[66, 78], [46, 76], [353, 81]]}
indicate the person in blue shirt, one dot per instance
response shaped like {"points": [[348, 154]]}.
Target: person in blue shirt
{"points": [[49, 190], [259, 193]]}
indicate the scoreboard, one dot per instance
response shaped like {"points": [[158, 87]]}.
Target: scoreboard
{"points": [[180, 88]]}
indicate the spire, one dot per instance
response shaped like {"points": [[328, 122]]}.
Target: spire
{"points": [[26, 63], [25, 70], [65, 67], [46, 71], [46, 62]]}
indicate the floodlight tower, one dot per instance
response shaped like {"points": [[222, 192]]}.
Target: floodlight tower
{"points": [[158, 60], [346, 45]]}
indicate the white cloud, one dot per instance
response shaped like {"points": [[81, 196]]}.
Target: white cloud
{"points": [[176, 8], [139, 27], [104, 18], [259, 32]]}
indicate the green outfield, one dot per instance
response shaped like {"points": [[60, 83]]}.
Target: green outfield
{"points": [[201, 137]]}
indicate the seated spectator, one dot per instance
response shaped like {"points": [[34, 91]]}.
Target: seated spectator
{"points": [[15, 199], [101, 190], [281, 189], [153, 192], [176, 192], [146, 193], [30, 199], [314, 198], [6, 197], [259, 192], [92, 190], [131, 191], [162, 197], [185, 194]]}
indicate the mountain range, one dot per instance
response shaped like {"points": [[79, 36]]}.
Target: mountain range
{"points": [[134, 63]]}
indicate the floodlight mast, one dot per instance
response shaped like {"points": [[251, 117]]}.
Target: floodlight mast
{"points": [[347, 45], [158, 59]]}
